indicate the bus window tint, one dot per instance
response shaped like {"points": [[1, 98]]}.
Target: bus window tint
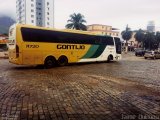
{"points": [[106, 40], [37, 35], [110, 41]]}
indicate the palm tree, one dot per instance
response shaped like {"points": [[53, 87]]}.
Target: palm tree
{"points": [[139, 36], [126, 35], [76, 22]]}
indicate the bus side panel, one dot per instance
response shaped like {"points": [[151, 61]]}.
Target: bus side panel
{"points": [[73, 55], [98, 53], [31, 54]]}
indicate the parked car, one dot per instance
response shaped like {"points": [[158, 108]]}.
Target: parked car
{"points": [[139, 52], [152, 54]]}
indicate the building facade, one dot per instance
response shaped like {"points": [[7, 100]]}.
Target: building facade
{"points": [[151, 26], [103, 30], [35, 12]]}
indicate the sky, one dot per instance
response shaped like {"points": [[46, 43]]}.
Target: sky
{"points": [[117, 13]]}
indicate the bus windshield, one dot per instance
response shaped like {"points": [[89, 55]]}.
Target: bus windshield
{"points": [[118, 45]]}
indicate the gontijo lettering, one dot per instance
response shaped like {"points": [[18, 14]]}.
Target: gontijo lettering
{"points": [[80, 47]]}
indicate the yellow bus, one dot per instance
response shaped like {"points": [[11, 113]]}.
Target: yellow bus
{"points": [[32, 45]]}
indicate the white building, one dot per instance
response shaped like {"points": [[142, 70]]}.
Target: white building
{"points": [[151, 26], [35, 12]]}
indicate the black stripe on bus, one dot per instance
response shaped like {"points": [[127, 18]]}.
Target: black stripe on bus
{"points": [[38, 35]]}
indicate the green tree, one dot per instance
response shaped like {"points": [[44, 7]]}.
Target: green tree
{"points": [[150, 41], [158, 38], [76, 22], [139, 36], [126, 35]]}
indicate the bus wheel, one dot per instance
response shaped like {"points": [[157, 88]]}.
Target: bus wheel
{"points": [[110, 57], [50, 62], [62, 61]]}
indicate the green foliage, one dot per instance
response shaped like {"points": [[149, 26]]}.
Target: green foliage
{"points": [[158, 37], [139, 36], [76, 22], [150, 41], [127, 34]]}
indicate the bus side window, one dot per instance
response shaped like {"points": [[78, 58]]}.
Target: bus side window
{"points": [[97, 40], [103, 41], [110, 41]]}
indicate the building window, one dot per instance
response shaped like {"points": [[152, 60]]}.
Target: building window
{"points": [[32, 10], [47, 13], [32, 21], [38, 8], [32, 0], [32, 5], [47, 3], [48, 18], [39, 3], [32, 16], [47, 23]]}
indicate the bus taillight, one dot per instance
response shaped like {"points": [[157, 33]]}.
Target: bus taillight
{"points": [[17, 51]]}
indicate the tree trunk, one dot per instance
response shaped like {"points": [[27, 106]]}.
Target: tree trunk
{"points": [[142, 45], [126, 47]]}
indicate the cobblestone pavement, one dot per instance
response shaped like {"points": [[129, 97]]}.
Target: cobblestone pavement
{"points": [[128, 89]]}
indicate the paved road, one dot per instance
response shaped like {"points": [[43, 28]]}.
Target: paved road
{"points": [[128, 89]]}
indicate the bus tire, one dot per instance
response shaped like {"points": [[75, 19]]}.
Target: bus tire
{"points": [[110, 57], [62, 61], [50, 62]]}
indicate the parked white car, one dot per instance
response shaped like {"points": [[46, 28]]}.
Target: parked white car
{"points": [[152, 54]]}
